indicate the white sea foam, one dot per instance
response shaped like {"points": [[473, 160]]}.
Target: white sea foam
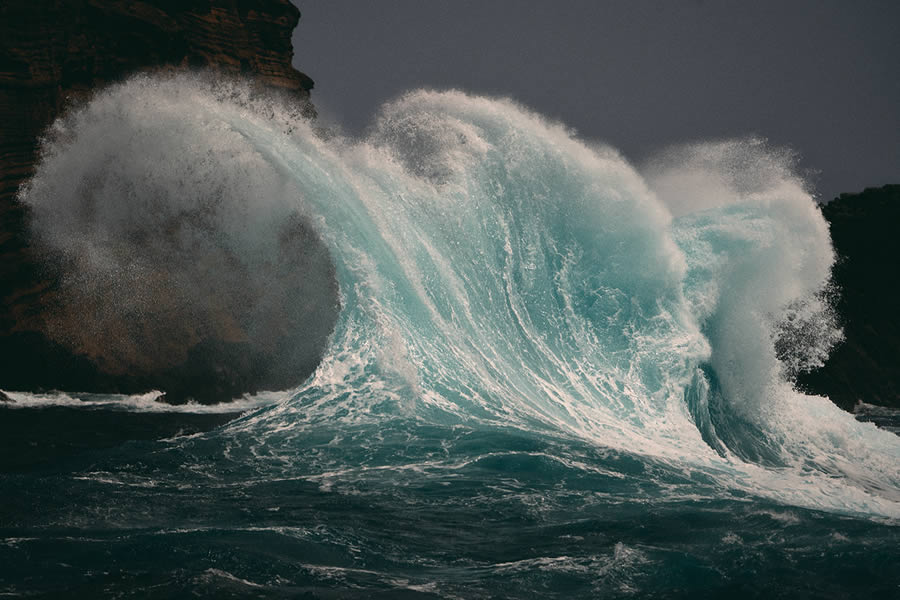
{"points": [[150, 402]]}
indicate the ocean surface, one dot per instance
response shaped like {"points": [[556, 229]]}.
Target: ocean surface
{"points": [[553, 373]]}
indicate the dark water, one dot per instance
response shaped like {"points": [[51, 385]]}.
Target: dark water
{"points": [[93, 506]]}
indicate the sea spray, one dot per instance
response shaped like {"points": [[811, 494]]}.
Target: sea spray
{"points": [[552, 373], [759, 260], [170, 235]]}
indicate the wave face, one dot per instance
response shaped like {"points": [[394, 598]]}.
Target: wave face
{"points": [[536, 339]]}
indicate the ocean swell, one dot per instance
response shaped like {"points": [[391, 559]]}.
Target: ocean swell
{"points": [[495, 272]]}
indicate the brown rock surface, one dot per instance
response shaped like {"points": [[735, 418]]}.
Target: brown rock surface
{"points": [[52, 54]]}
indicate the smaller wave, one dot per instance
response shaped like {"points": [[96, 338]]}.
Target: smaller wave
{"points": [[151, 402]]}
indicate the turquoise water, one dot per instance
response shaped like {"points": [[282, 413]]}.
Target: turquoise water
{"points": [[553, 374]]}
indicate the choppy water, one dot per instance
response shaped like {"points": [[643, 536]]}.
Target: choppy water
{"points": [[552, 375]]}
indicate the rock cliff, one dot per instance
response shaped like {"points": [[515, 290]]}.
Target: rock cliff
{"points": [[53, 53], [866, 366]]}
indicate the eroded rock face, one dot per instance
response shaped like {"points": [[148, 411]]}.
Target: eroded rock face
{"points": [[53, 54]]}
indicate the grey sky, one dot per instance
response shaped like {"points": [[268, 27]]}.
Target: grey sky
{"points": [[822, 77]]}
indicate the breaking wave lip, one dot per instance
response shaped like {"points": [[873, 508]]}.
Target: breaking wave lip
{"points": [[139, 403], [495, 270]]}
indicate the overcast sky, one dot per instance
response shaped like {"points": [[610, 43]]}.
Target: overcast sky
{"points": [[822, 77]]}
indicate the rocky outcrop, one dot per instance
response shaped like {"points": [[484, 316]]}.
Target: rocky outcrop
{"points": [[53, 53], [866, 366]]}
